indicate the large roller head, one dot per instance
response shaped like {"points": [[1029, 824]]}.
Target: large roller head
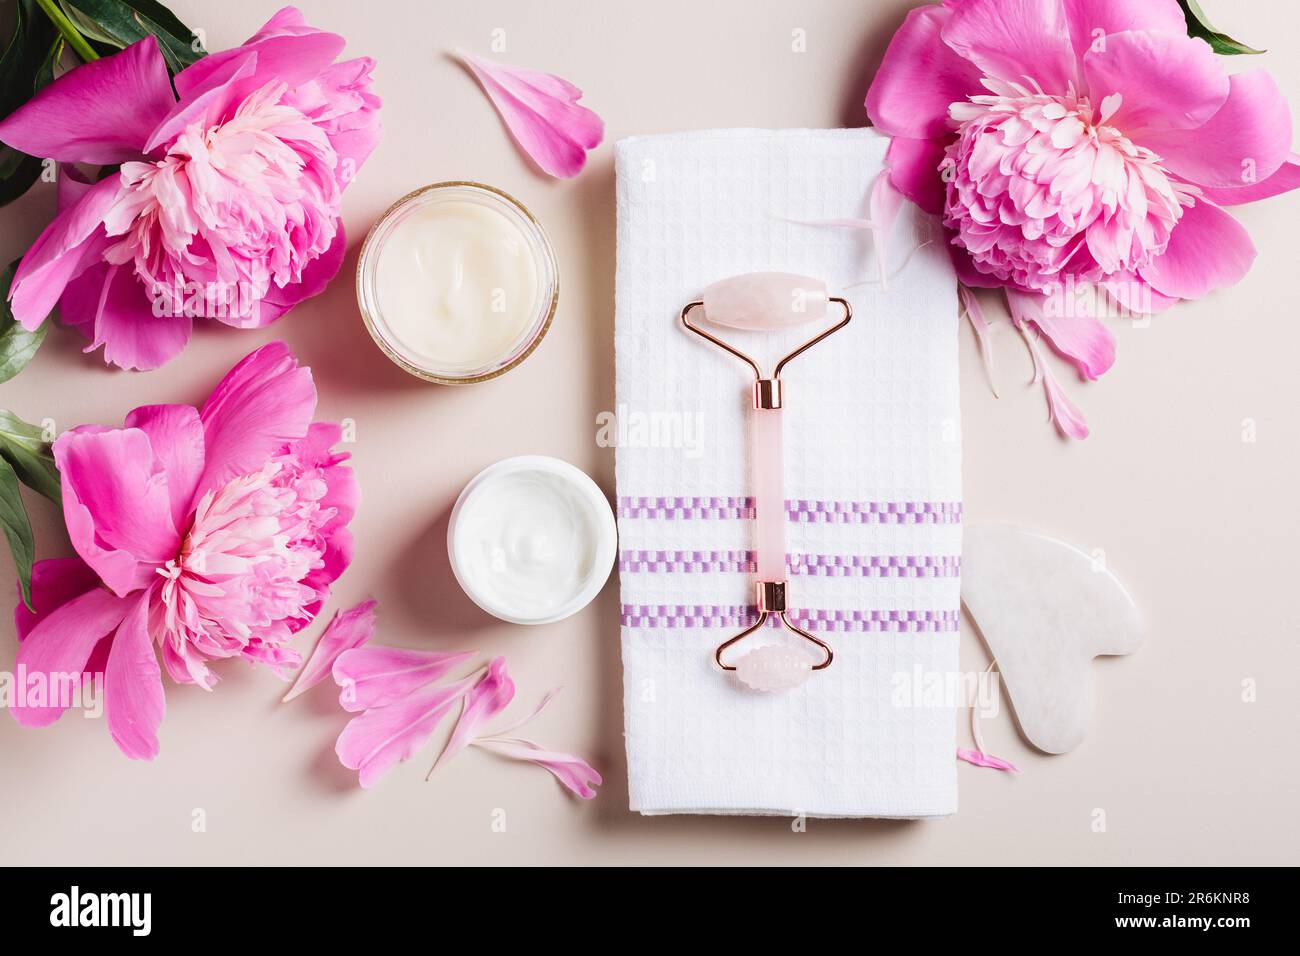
{"points": [[765, 301]]}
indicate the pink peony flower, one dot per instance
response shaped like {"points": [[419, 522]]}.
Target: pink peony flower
{"points": [[227, 201], [1080, 144], [201, 535]]}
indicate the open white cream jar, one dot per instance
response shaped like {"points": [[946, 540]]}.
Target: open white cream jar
{"points": [[457, 282], [532, 539]]}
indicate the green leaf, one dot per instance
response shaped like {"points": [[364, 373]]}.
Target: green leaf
{"points": [[17, 345], [120, 23], [45, 75], [1198, 25], [86, 26], [22, 55], [17, 173], [25, 449], [20, 64], [17, 529]]}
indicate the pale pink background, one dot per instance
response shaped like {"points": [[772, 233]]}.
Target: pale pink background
{"points": [[1202, 525]]}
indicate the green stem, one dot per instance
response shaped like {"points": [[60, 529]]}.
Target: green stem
{"points": [[80, 45]]}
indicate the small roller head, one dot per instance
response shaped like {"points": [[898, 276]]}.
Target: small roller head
{"points": [[765, 301]]}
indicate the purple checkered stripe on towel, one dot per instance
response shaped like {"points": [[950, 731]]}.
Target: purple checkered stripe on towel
{"points": [[675, 616], [796, 509], [817, 565]]}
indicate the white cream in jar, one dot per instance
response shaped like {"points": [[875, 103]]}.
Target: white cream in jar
{"points": [[531, 539], [457, 282]]}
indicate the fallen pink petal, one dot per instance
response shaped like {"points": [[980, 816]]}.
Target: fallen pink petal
{"points": [[980, 326], [542, 113], [572, 771], [979, 758], [374, 742], [487, 698], [377, 676], [1076, 335], [1061, 411], [347, 630], [885, 203]]}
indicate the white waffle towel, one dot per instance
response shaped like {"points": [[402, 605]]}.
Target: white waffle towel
{"points": [[872, 479]]}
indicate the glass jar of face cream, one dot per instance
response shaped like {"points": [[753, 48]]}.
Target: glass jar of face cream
{"points": [[457, 282]]}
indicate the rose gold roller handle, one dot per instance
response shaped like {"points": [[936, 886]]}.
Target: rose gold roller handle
{"points": [[767, 302], [769, 491]]}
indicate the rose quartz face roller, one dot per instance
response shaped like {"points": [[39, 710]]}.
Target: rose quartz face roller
{"points": [[768, 302]]}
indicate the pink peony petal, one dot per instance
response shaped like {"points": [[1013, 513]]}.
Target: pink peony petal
{"points": [[70, 187], [342, 496], [1061, 411], [337, 558], [980, 326], [340, 102], [1066, 415], [511, 728], [60, 253], [1207, 250], [110, 307], [116, 504], [1091, 20], [286, 48], [491, 695], [1247, 140], [572, 771], [263, 403], [1167, 81], [61, 643], [1081, 338], [919, 78], [1135, 295], [176, 437], [374, 742], [914, 171], [102, 112], [133, 693], [318, 274], [979, 758], [223, 89], [55, 582], [967, 273], [885, 203], [342, 493], [1015, 39], [347, 630], [373, 677], [542, 112], [285, 21], [1284, 180]]}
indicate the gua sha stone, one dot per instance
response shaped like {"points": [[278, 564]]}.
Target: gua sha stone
{"points": [[1045, 610], [773, 668]]}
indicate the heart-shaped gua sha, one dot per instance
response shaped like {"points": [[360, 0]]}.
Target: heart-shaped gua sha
{"points": [[1046, 609]]}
